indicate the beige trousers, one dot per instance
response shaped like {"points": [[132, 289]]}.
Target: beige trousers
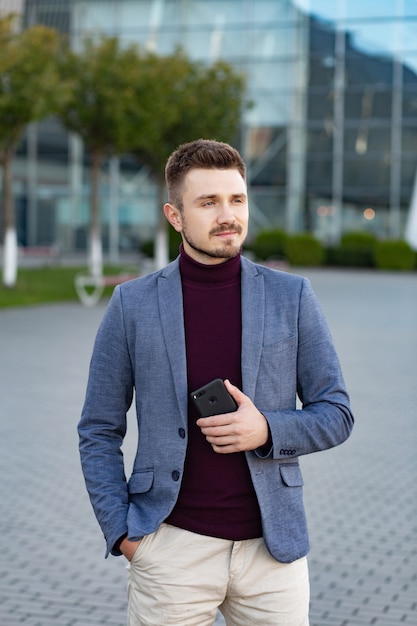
{"points": [[179, 577]]}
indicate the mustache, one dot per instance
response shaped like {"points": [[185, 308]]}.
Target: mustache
{"points": [[233, 228]]}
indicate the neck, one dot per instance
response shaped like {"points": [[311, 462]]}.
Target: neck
{"points": [[202, 273]]}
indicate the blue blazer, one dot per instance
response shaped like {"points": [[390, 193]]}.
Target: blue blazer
{"points": [[139, 352]]}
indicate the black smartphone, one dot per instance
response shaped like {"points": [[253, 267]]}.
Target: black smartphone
{"points": [[213, 399]]}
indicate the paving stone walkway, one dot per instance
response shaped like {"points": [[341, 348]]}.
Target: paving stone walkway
{"points": [[361, 498]]}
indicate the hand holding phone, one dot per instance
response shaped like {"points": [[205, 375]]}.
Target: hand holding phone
{"points": [[213, 399], [225, 428]]}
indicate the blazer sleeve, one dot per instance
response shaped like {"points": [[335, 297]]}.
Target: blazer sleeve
{"points": [[325, 419], [102, 426]]}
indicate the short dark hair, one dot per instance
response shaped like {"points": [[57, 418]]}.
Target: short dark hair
{"points": [[201, 153]]}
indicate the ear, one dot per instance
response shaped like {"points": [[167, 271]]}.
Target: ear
{"points": [[173, 216]]}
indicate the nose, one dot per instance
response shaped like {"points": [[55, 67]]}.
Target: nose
{"points": [[225, 214]]}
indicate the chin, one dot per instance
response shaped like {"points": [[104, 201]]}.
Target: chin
{"points": [[227, 253]]}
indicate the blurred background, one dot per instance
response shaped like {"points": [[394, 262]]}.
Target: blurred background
{"points": [[320, 97], [330, 136]]}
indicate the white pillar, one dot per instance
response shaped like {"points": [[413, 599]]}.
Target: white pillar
{"points": [[10, 258], [114, 210], [411, 227]]}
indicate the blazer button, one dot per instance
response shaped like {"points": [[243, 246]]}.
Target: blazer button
{"points": [[175, 475], [181, 432]]}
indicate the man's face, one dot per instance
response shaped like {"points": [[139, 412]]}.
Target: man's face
{"points": [[214, 219]]}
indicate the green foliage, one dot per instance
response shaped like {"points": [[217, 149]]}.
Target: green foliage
{"points": [[175, 240], [181, 100], [212, 100], [358, 239], [147, 248], [28, 79], [304, 250], [101, 76], [394, 255], [29, 91], [356, 249], [128, 100], [269, 243]]}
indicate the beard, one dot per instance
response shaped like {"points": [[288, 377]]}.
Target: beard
{"points": [[227, 249]]}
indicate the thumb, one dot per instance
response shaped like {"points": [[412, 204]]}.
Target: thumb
{"points": [[237, 395]]}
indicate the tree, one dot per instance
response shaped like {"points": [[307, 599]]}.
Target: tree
{"points": [[126, 100], [102, 76], [28, 92], [182, 100]]}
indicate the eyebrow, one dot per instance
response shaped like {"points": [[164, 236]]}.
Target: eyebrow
{"points": [[211, 196]]}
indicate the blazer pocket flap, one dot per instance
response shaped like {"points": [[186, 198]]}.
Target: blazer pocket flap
{"points": [[291, 475], [140, 482]]}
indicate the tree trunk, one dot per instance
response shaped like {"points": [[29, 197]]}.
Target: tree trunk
{"points": [[411, 227], [10, 237], [95, 261], [161, 238], [10, 256]]}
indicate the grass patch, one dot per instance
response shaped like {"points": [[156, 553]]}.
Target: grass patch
{"points": [[47, 284]]}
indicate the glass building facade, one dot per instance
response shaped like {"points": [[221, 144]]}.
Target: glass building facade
{"points": [[330, 141]]}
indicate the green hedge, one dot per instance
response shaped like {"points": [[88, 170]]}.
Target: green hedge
{"points": [[356, 249], [269, 244], [394, 255], [304, 250]]}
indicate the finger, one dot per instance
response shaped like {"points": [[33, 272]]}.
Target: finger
{"points": [[228, 449], [235, 392], [213, 421], [219, 436], [221, 440]]}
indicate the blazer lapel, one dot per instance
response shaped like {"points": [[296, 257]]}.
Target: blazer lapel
{"points": [[253, 319], [172, 322]]}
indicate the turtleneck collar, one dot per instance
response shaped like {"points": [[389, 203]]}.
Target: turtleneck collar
{"points": [[201, 273]]}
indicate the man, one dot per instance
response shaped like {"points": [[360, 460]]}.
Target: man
{"points": [[212, 515]]}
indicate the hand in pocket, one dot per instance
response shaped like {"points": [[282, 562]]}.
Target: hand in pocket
{"points": [[128, 548]]}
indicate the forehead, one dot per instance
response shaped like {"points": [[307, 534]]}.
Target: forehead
{"points": [[200, 181]]}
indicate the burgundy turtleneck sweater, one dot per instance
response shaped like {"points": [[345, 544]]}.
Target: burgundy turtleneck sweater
{"points": [[217, 497]]}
